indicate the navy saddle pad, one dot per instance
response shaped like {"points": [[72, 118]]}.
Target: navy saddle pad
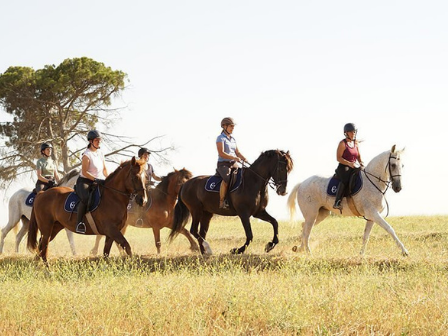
{"points": [[72, 201], [30, 199], [214, 182], [334, 182]]}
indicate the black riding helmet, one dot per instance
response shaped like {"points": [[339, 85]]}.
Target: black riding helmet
{"points": [[44, 146], [93, 135], [142, 151], [350, 127]]}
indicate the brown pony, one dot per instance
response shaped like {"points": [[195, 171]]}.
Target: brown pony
{"points": [[158, 214], [250, 199], [50, 217]]}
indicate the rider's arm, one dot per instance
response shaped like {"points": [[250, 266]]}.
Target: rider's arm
{"points": [[361, 163], [85, 166], [105, 172], [241, 156], [155, 177]]}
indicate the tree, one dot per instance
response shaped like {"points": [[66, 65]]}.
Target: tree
{"points": [[58, 105]]}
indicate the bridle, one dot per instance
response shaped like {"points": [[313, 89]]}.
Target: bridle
{"points": [[387, 183], [274, 183]]}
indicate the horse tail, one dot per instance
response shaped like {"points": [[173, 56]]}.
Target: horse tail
{"points": [[32, 233], [180, 218], [292, 201]]}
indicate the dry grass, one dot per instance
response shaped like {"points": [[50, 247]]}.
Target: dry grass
{"points": [[332, 292]]}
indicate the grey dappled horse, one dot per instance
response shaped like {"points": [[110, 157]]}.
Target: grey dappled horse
{"points": [[384, 170], [18, 210]]}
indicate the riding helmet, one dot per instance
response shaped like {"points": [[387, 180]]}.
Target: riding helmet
{"points": [[142, 151], [93, 135], [350, 127], [44, 146], [227, 121]]}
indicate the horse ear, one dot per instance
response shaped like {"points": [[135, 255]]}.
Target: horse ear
{"points": [[133, 160], [175, 169], [393, 149]]}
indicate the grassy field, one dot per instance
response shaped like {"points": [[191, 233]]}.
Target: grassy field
{"points": [[334, 291]]}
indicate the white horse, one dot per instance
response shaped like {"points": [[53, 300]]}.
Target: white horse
{"points": [[316, 204], [18, 210]]}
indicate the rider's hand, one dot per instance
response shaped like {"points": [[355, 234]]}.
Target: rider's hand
{"points": [[99, 181], [51, 184]]}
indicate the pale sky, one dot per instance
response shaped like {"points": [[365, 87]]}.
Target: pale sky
{"points": [[291, 73]]}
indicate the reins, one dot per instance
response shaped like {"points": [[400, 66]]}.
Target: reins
{"points": [[270, 181], [129, 195]]}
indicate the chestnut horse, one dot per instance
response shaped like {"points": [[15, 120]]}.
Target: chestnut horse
{"points": [[50, 217], [158, 214], [20, 211], [250, 199]]}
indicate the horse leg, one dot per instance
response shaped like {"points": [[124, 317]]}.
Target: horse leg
{"points": [[193, 245], [205, 224], [310, 219], [156, 232], [386, 226], [120, 249], [194, 230], [263, 215], [118, 237], [71, 241], [249, 236], [94, 250], [12, 222], [22, 232], [365, 238], [107, 245]]}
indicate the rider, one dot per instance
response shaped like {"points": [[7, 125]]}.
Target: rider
{"points": [[93, 171], [47, 174], [228, 156], [349, 158], [144, 153]]}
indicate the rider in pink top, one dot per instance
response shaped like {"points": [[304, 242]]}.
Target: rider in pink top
{"points": [[349, 158]]}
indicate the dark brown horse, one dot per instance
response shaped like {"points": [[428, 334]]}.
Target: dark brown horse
{"points": [[250, 199], [50, 217], [158, 214]]}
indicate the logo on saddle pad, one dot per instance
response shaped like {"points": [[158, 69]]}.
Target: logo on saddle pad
{"points": [[213, 183], [72, 201], [30, 199], [356, 186]]}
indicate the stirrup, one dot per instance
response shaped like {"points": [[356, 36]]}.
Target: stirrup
{"points": [[81, 228], [223, 204], [337, 205]]}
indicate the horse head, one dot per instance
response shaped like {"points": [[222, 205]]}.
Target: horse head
{"points": [[135, 184], [395, 168], [283, 167]]}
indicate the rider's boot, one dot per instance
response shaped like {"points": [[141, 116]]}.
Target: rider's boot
{"points": [[339, 195], [223, 204], [81, 226]]}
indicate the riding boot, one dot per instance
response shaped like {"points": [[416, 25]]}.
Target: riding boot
{"points": [[339, 195], [81, 226], [223, 204]]}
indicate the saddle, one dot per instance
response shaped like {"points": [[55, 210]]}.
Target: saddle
{"points": [[213, 183], [72, 201], [353, 188]]}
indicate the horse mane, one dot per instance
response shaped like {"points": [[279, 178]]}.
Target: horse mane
{"points": [[123, 165], [276, 152], [68, 176]]}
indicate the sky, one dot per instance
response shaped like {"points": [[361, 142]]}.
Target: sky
{"points": [[291, 74]]}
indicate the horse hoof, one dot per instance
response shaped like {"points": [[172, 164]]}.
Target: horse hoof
{"points": [[269, 247], [294, 248]]}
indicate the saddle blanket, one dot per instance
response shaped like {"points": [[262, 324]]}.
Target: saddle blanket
{"points": [[332, 187], [72, 201], [30, 199], [213, 183]]}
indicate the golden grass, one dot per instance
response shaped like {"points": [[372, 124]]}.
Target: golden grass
{"points": [[334, 291]]}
